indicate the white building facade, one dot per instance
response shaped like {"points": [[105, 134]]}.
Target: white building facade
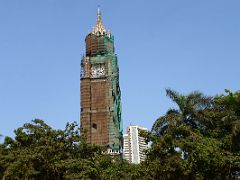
{"points": [[134, 145]]}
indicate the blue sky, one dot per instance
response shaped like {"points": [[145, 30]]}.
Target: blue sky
{"points": [[185, 45]]}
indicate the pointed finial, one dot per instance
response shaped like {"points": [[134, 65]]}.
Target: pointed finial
{"points": [[99, 28], [109, 33], [99, 11]]}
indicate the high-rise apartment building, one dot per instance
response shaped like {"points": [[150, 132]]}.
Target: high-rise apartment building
{"points": [[134, 145], [100, 90]]}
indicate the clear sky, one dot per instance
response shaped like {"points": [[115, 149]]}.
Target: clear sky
{"points": [[185, 45]]}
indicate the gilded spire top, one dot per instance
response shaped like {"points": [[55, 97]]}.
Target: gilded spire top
{"points": [[99, 12], [99, 28]]}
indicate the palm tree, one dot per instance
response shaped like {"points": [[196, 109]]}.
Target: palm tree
{"points": [[228, 106], [189, 112]]}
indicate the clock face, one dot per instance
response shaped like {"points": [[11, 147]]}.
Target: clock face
{"points": [[98, 71]]}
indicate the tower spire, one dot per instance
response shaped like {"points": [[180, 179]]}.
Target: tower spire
{"points": [[99, 11], [99, 28]]}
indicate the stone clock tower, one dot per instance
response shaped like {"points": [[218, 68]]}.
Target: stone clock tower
{"points": [[100, 90]]}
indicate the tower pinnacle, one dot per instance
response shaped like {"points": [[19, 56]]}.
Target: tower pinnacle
{"points": [[99, 12], [99, 28]]}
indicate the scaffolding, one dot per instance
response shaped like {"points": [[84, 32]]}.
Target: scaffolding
{"points": [[103, 119]]}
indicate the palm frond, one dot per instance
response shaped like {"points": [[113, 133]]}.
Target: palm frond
{"points": [[199, 101], [173, 111], [162, 124], [178, 98]]}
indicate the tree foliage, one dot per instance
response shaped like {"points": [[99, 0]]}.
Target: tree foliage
{"points": [[197, 140], [40, 152]]}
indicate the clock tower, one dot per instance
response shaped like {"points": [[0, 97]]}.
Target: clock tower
{"points": [[100, 90]]}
